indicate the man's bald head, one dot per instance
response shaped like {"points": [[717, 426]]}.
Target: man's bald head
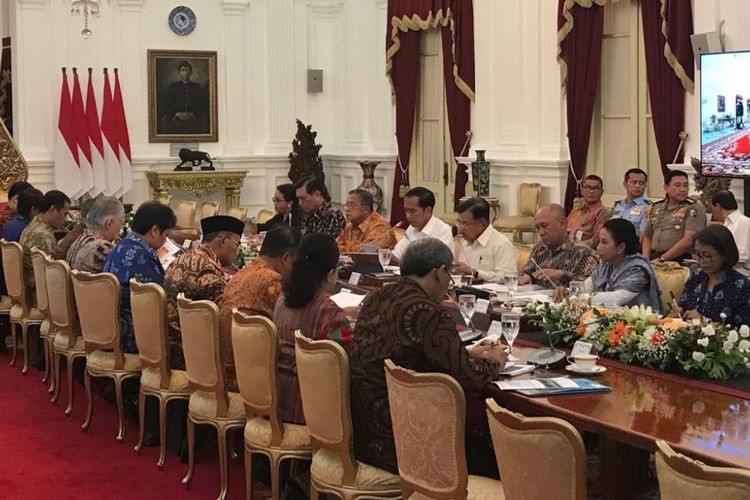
{"points": [[551, 224]]}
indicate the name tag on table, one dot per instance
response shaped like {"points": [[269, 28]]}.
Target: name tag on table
{"points": [[481, 306], [354, 279], [581, 348], [496, 328]]}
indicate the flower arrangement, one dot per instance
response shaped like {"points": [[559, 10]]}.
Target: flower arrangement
{"points": [[246, 253], [698, 347]]}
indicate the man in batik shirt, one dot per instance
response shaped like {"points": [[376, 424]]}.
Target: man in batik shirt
{"points": [[556, 258], [364, 224], [104, 223], [199, 275], [255, 289], [585, 222], [135, 257], [318, 216]]}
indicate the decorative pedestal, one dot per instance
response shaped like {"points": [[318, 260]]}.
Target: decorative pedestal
{"points": [[200, 183]]}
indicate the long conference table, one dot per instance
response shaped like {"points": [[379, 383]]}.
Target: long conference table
{"points": [[703, 420]]}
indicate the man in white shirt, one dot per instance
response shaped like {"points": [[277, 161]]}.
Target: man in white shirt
{"points": [[724, 210], [481, 250], [418, 205]]}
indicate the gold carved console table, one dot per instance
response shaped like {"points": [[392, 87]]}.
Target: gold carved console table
{"points": [[198, 182]]}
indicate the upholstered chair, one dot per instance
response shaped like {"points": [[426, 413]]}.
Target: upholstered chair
{"points": [[528, 204], [254, 339], [237, 212], [554, 447], [682, 478], [671, 278], [399, 234], [148, 304], [68, 342], [21, 313], [210, 403], [209, 209], [38, 259], [428, 412], [185, 214], [323, 370], [522, 255], [264, 215]]}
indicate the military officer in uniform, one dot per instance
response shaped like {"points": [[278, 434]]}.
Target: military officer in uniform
{"points": [[673, 222], [635, 207], [186, 105]]}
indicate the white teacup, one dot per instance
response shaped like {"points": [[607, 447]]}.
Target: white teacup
{"points": [[583, 362]]}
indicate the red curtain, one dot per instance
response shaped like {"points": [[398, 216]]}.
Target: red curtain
{"points": [[406, 18], [6, 94], [581, 54], [669, 70]]}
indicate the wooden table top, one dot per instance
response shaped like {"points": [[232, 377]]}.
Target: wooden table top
{"points": [[645, 406]]}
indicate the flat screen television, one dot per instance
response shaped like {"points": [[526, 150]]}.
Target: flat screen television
{"points": [[725, 114]]}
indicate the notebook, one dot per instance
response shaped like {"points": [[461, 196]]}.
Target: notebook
{"points": [[552, 386]]}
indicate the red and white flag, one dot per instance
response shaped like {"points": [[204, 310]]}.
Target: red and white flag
{"points": [[123, 137], [82, 138], [97, 145], [111, 142], [67, 171]]}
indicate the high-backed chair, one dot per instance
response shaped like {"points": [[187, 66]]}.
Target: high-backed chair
{"points": [[254, 339], [68, 342], [264, 215], [237, 212], [522, 255], [98, 302], [528, 203], [682, 478], [21, 313], [209, 209], [148, 304], [185, 213], [210, 403], [428, 412], [323, 370], [550, 444], [38, 259], [671, 278]]}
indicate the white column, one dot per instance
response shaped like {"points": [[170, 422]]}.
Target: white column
{"points": [[237, 113], [132, 67], [281, 76]]}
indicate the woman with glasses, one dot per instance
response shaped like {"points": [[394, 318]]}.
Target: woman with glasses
{"points": [[715, 290], [287, 210]]}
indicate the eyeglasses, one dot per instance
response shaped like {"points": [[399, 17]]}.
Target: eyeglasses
{"points": [[276, 200], [351, 204], [704, 256]]}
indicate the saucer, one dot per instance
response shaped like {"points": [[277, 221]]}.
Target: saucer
{"points": [[594, 371]]}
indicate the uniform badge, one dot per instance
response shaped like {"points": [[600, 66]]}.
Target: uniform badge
{"points": [[636, 211]]}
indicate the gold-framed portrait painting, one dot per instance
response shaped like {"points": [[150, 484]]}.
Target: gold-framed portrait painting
{"points": [[182, 99]]}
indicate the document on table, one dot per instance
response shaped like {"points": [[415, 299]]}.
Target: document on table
{"points": [[552, 386], [168, 252], [345, 299]]}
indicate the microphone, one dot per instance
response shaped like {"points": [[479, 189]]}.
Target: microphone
{"points": [[554, 285], [397, 226], [549, 355]]}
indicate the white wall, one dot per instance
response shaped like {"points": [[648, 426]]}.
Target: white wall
{"points": [[264, 50]]}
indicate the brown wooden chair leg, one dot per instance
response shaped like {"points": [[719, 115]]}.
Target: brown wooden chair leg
{"points": [[162, 432], [25, 342], [56, 377], [89, 401], [15, 344], [248, 474], [191, 453], [70, 361], [222, 438], [120, 417], [141, 420]]}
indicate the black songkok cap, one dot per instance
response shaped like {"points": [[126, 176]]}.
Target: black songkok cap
{"points": [[222, 223]]}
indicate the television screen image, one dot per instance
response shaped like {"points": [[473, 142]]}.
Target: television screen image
{"points": [[725, 143]]}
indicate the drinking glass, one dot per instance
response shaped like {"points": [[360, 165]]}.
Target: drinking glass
{"points": [[511, 283], [467, 304], [466, 279], [511, 323], [384, 257], [576, 288]]}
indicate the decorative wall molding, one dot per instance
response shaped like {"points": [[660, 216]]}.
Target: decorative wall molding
{"points": [[234, 7]]}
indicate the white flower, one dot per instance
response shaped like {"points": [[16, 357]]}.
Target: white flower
{"points": [[723, 315], [728, 346], [698, 356], [708, 330], [744, 345], [695, 321], [703, 341], [745, 331], [732, 336]]}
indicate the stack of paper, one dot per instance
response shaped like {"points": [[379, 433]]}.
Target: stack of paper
{"points": [[345, 298], [552, 386]]}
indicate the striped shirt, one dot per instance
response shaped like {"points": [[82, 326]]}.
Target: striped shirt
{"points": [[576, 260]]}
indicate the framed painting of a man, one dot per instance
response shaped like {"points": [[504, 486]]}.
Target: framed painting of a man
{"points": [[182, 96]]}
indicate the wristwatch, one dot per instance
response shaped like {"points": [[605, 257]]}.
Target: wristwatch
{"points": [[475, 273]]}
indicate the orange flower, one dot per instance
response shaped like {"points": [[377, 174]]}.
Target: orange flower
{"points": [[672, 323], [617, 333], [589, 316]]}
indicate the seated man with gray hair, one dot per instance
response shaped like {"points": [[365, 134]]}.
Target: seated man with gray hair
{"points": [[104, 222], [407, 323], [364, 224]]}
